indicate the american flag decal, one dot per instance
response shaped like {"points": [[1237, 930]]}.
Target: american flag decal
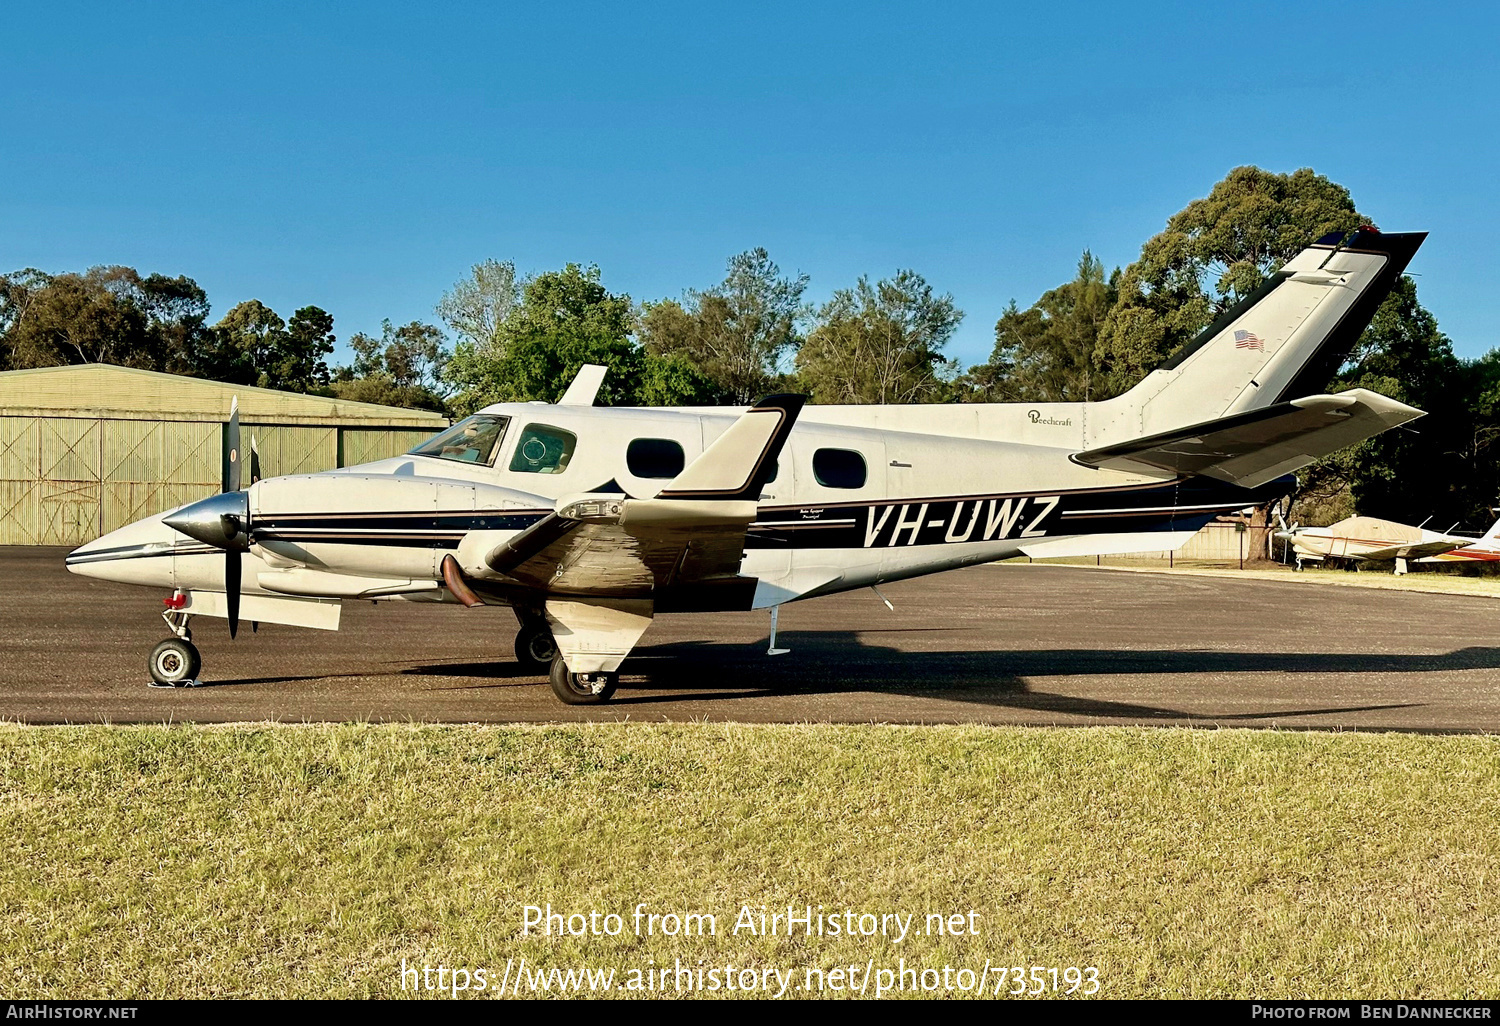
{"points": [[1248, 340]]}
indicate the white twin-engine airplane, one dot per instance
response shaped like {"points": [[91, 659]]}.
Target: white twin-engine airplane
{"points": [[587, 521]]}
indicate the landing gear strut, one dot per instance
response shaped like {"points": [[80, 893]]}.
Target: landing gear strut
{"points": [[175, 662], [581, 688], [535, 649]]}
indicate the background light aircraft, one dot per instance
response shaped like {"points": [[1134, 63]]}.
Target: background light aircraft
{"points": [[1368, 538], [1485, 549], [587, 521]]}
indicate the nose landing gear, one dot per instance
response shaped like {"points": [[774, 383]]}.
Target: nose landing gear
{"points": [[175, 662]]}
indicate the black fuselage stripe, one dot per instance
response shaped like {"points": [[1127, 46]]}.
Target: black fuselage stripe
{"points": [[135, 552], [1166, 506]]}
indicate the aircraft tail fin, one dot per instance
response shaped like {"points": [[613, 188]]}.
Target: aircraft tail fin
{"points": [[1493, 534], [1284, 341]]}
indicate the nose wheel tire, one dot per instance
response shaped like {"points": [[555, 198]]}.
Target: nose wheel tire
{"points": [[175, 663], [581, 688], [535, 649]]}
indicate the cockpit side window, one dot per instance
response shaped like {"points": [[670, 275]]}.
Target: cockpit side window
{"points": [[543, 450], [475, 439]]}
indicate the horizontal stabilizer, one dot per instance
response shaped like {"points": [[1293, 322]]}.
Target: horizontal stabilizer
{"points": [[1250, 449]]}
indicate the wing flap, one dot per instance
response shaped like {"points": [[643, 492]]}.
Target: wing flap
{"points": [[1251, 449]]}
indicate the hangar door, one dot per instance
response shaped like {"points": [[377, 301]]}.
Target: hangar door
{"points": [[150, 466], [49, 480], [287, 449], [67, 480]]}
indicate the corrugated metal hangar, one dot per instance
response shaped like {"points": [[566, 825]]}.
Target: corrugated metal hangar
{"points": [[89, 448]]}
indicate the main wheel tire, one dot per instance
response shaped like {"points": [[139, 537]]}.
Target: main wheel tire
{"points": [[581, 688], [175, 662], [535, 648]]}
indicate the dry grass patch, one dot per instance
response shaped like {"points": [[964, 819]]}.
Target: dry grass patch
{"points": [[309, 861]]}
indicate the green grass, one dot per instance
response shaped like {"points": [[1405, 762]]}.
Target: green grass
{"points": [[309, 861]]}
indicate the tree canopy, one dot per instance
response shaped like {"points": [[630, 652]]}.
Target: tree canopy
{"points": [[104, 315], [400, 368], [1091, 337], [476, 307], [880, 343], [1045, 353], [735, 333]]}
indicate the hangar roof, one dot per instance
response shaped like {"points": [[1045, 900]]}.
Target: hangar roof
{"points": [[124, 393]]}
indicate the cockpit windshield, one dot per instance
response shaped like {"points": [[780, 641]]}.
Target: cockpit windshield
{"points": [[474, 439]]}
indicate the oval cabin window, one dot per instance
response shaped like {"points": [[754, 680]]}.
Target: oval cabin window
{"points": [[655, 457], [839, 468]]}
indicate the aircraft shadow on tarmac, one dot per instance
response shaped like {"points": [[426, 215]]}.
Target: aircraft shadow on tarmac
{"points": [[835, 662]]}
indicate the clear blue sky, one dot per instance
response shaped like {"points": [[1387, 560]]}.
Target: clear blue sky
{"points": [[361, 157]]}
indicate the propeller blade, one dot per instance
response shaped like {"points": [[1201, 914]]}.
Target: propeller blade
{"points": [[232, 570], [234, 444]]}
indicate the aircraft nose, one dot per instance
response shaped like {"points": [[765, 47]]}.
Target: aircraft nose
{"points": [[122, 555], [81, 554]]}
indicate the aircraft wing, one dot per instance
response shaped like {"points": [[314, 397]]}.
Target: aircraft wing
{"points": [[1415, 550], [1250, 449], [692, 533]]}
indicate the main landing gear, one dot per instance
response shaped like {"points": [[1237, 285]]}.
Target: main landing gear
{"points": [[175, 662], [581, 688], [535, 649]]}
